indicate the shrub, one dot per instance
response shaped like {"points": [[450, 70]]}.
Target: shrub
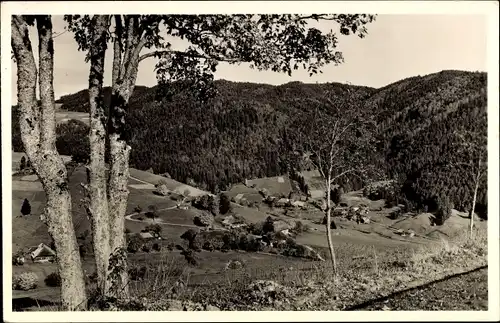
{"points": [[53, 280], [127, 231], [137, 209], [155, 228], [146, 248], [156, 247], [26, 207], [225, 204], [230, 241], [300, 227], [380, 190], [18, 259], [335, 195], [208, 246], [161, 182], [135, 243], [395, 214], [444, 210], [189, 235], [23, 163], [25, 281], [268, 225]]}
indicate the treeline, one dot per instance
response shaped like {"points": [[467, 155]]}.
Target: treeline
{"points": [[247, 131]]}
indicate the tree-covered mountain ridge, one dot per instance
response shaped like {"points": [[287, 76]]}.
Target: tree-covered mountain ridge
{"points": [[243, 131]]}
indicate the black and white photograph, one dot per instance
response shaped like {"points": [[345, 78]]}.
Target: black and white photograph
{"points": [[263, 156]]}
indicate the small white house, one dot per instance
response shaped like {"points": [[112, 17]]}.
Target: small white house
{"points": [[43, 253]]}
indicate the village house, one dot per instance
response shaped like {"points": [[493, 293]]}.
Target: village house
{"points": [[43, 254]]}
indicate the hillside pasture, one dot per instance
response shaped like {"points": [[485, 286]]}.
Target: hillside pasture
{"points": [[276, 186], [173, 185]]}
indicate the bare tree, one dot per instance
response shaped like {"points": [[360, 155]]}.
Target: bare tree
{"points": [[338, 140], [38, 133], [471, 154], [281, 43]]}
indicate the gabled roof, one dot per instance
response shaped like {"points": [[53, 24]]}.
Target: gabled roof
{"points": [[146, 235], [43, 251]]}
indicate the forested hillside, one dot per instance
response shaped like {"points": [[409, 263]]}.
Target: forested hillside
{"points": [[245, 131]]}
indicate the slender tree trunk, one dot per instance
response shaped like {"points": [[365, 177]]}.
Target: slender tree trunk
{"points": [[97, 188], [328, 225], [124, 76], [474, 200], [38, 135], [118, 178]]}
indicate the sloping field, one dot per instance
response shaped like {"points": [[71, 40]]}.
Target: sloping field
{"points": [[65, 116], [276, 186], [172, 185]]}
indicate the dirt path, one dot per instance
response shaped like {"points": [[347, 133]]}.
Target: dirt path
{"points": [[129, 218], [464, 292]]}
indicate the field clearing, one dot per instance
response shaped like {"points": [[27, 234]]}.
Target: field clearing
{"points": [[176, 216], [65, 116], [171, 184], [26, 186], [276, 186]]}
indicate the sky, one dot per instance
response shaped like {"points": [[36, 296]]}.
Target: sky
{"points": [[396, 47]]}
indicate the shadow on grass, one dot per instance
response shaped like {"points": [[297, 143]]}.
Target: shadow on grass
{"points": [[372, 302], [20, 304]]}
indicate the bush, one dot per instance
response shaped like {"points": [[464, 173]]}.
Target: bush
{"points": [[18, 259], [443, 212], [225, 204], [156, 247], [335, 195], [25, 281], [268, 225], [26, 207], [155, 228], [138, 209], [53, 280], [135, 243], [395, 214], [208, 246], [380, 190], [146, 248], [300, 228]]}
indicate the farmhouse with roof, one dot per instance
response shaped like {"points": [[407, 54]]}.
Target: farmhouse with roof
{"points": [[43, 253]]}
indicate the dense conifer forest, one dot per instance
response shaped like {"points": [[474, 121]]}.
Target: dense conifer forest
{"points": [[246, 131]]}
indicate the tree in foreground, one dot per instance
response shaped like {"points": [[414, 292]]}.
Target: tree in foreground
{"points": [[38, 133], [337, 137], [281, 43], [472, 154]]}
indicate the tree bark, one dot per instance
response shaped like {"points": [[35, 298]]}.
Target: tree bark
{"points": [[97, 188], [328, 225], [118, 140], [38, 135], [118, 180]]}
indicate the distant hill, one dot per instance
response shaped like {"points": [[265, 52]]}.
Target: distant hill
{"points": [[241, 133]]}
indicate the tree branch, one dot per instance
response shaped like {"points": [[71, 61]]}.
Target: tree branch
{"points": [[46, 89], [117, 49]]}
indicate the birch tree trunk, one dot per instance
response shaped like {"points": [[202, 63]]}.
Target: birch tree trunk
{"points": [[97, 188], [38, 126], [124, 76], [478, 176], [328, 225]]}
